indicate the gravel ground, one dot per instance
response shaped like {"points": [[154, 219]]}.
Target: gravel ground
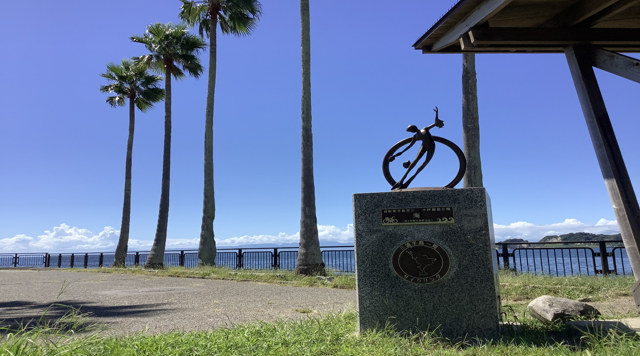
{"points": [[124, 304]]}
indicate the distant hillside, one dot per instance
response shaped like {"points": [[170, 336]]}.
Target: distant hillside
{"points": [[580, 236], [510, 241], [523, 243]]}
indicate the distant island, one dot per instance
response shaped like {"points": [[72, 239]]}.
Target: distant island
{"points": [[570, 237], [514, 240], [521, 243], [580, 236]]}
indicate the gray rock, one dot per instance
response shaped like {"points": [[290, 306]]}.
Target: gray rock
{"points": [[325, 279], [549, 309]]}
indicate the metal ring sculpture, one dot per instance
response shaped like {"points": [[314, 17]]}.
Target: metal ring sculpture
{"points": [[428, 148]]}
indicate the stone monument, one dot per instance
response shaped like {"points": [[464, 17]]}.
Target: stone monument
{"points": [[425, 257]]}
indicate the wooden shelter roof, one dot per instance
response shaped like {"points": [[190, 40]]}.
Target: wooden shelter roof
{"points": [[534, 26]]}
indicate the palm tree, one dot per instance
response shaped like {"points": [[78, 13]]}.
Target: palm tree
{"points": [[128, 81], [309, 255], [173, 51], [237, 17], [470, 122]]}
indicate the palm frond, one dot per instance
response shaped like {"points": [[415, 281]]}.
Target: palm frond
{"points": [[151, 62], [106, 89], [116, 101], [190, 63], [143, 105], [130, 80], [172, 48], [150, 80], [237, 17], [193, 13], [177, 73], [191, 44], [153, 95], [204, 27], [241, 24]]}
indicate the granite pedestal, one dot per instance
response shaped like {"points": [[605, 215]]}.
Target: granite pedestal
{"points": [[425, 261]]}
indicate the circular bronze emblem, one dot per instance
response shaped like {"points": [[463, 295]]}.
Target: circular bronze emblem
{"points": [[420, 261]]}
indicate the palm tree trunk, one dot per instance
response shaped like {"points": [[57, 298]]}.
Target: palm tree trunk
{"points": [[207, 248], [471, 122], [156, 255], [123, 241], [309, 255]]}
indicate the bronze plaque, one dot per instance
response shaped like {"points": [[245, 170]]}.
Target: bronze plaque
{"points": [[421, 261], [418, 216]]}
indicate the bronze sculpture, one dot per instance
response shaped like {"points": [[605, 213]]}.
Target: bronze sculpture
{"points": [[427, 147]]}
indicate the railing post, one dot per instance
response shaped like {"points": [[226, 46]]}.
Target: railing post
{"points": [[73, 258], [15, 260], [86, 260], [59, 260], [101, 260], [604, 258], [505, 255], [239, 262], [136, 260], [181, 259], [44, 262], [275, 258]]}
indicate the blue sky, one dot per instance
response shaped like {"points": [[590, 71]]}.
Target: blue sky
{"points": [[62, 149]]}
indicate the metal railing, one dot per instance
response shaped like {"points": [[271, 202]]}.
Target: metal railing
{"points": [[564, 258], [337, 258], [550, 258]]}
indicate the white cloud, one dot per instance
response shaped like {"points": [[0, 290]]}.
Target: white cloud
{"points": [[61, 239], [326, 234], [532, 232], [64, 238]]}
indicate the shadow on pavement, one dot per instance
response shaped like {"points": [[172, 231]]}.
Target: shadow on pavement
{"points": [[17, 315]]}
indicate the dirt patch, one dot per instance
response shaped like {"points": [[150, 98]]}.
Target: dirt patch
{"points": [[623, 307]]}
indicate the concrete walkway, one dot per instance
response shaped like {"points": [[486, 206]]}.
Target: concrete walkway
{"points": [[123, 304], [127, 304]]}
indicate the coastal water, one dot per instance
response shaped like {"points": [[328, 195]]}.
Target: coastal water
{"points": [[566, 261]]}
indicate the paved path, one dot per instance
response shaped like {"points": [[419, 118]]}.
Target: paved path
{"points": [[126, 304]]}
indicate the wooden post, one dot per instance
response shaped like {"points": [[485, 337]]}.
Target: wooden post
{"points": [[614, 171], [505, 256], [275, 258]]}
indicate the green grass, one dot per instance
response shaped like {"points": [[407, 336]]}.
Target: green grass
{"points": [[516, 287], [331, 335], [333, 280], [336, 334], [517, 290]]}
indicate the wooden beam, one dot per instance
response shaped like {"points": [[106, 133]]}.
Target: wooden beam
{"points": [[536, 49], [465, 43], [520, 49], [618, 64], [477, 16], [614, 9], [578, 12], [554, 36], [614, 171]]}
